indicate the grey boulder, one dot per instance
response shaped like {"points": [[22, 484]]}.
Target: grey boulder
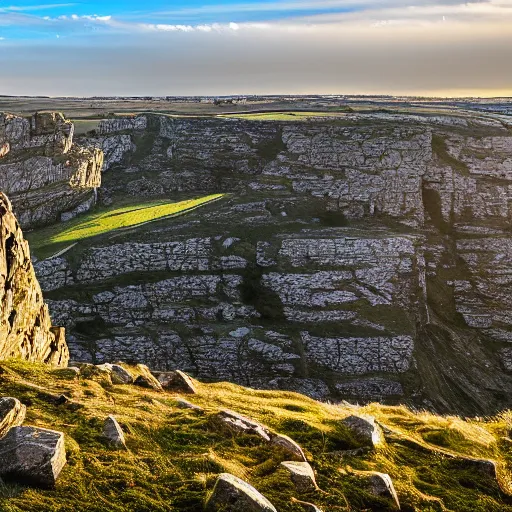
{"points": [[231, 494], [113, 432], [177, 381], [302, 475], [33, 455]]}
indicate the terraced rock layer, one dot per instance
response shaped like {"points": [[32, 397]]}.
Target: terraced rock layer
{"points": [[364, 257], [46, 175]]}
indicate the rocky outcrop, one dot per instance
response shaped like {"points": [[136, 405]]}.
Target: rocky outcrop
{"points": [[363, 257], [25, 327], [45, 174]]}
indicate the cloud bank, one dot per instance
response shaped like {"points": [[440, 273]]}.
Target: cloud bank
{"points": [[344, 46]]}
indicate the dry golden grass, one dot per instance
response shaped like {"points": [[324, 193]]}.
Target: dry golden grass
{"points": [[174, 454]]}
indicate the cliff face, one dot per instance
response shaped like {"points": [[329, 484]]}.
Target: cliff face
{"points": [[45, 174], [365, 257], [25, 326]]}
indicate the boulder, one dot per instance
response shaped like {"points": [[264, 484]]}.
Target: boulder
{"points": [[185, 404], [113, 432], [12, 414], [231, 494], [146, 379], [365, 428], [96, 372], [118, 374], [380, 484], [33, 455], [121, 375], [242, 424], [308, 507], [177, 381], [302, 475], [288, 445]]}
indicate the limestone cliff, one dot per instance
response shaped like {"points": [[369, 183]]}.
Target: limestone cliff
{"points": [[25, 326], [45, 174], [360, 257]]}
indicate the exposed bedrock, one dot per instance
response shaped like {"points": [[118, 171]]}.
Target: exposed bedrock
{"points": [[363, 258], [25, 327], [46, 175]]}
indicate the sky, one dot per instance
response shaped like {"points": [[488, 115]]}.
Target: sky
{"points": [[210, 47]]}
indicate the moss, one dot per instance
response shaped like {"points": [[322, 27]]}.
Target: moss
{"points": [[174, 455], [440, 149]]}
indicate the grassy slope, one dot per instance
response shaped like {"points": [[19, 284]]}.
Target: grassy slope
{"points": [[47, 241], [174, 455]]}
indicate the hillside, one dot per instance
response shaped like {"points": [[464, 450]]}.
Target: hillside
{"points": [[174, 454], [356, 255]]}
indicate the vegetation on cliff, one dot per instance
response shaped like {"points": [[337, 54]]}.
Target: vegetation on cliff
{"points": [[48, 240]]}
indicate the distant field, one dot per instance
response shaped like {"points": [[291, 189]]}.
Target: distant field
{"points": [[83, 126], [283, 116], [48, 241]]}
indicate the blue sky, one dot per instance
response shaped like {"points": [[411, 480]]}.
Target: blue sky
{"points": [[443, 47]]}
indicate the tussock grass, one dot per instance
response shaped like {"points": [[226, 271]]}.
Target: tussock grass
{"points": [[174, 455]]}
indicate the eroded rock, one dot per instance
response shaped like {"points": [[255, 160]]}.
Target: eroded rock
{"points": [[242, 424], [288, 445], [113, 432], [177, 381], [25, 326], [365, 428], [302, 475], [12, 414], [231, 494]]}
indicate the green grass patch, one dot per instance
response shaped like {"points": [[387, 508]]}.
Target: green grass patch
{"points": [[112, 219], [283, 116], [84, 126]]}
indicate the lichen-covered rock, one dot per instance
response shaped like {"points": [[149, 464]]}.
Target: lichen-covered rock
{"points": [[25, 326], [302, 475], [33, 455], [12, 414], [113, 432], [45, 174], [118, 374], [231, 494], [146, 379]]}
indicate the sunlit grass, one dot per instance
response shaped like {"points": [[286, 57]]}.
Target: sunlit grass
{"points": [[174, 455], [110, 220], [282, 116]]}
